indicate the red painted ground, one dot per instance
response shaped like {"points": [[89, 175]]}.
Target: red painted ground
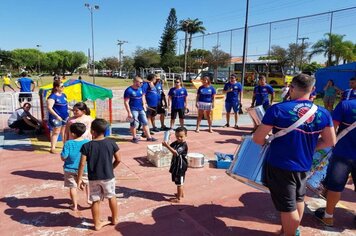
{"points": [[33, 200]]}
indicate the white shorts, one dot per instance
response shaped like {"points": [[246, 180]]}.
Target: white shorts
{"points": [[206, 106], [70, 179], [100, 189]]}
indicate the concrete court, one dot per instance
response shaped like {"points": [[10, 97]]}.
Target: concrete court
{"points": [[33, 200]]}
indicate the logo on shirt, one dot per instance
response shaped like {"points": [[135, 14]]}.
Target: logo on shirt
{"points": [[300, 110]]}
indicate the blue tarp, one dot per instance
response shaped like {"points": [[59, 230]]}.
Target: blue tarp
{"points": [[340, 74]]}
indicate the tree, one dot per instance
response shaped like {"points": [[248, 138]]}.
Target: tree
{"points": [[334, 48], [198, 57], [25, 58], [145, 58], [128, 63], [217, 58], [312, 67], [6, 58], [344, 52], [297, 54], [168, 40], [111, 63], [281, 55], [190, 27]]}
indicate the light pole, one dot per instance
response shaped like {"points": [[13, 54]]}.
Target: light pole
{"points": [[186, 28], [39, 62], [245, 45], [120, 43], [91, 9], [302, 52]]}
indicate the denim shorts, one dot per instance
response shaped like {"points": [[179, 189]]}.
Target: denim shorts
{"points": [[139, 116], [231, 105], [54, 123], [338, 173]]}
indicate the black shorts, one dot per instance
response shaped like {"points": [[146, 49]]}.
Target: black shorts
{"points": [[151, 111], [178, 179], [160, 109], [23, 96], [179, 111], [286, 187]]}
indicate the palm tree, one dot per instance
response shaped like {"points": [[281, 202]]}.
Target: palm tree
{"points": [[333, 46], [345, 52], [190, 27]]}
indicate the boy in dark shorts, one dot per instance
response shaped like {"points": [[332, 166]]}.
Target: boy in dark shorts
{"points": [[179, 164], [98, 155], [71, 157]]}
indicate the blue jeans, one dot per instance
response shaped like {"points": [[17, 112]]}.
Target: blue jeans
{"points": [[139, 117]]}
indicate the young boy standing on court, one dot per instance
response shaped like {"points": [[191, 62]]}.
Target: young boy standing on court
{"points": [[98, 155], [179, 164], [71, 157]]}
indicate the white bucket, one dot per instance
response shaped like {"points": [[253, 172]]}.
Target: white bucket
{"points": [[195, 160]]}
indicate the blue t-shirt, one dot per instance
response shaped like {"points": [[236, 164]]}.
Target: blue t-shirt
{"points": [[349, 94], [25, 84], [60, 106], [206, 93], [261, 94], [151, 94], [294, 151], [345, 113], [135, 97], [178, 97], [159, 88], [71, 154], [233, 96]]}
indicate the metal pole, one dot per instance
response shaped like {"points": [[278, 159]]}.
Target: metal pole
{"points": [[245, 46], [269, 40], [91, 8], [39, 59], [301, 56], [120, 43], [296, 43], [330, 39]]}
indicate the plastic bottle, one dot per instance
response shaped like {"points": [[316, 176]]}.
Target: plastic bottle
{"points": [[167, 135]]}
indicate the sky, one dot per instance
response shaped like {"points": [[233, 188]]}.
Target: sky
{"points": [[65, 24]]}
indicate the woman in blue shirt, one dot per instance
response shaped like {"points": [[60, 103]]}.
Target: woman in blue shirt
{"points": [[57, 106], [205, 102]]}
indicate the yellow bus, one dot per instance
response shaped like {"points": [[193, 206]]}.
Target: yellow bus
{"points": [[275, 74]]}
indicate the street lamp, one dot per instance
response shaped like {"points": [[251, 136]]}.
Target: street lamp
{"points": [[91, 9], [39, 62], [120, 43]]}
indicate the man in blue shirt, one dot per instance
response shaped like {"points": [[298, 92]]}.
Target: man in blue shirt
{"points": [[290, 156], [233, 91], [343, 160], [162, 102], [135, 105], [26, 86], [151, 95], [178, 102], [261, 92], [351, 92]]}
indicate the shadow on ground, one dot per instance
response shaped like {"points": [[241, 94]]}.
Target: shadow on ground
{"points": [[204, 219], [38, 174]]}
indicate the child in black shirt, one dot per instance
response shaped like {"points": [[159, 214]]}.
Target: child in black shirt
{"points": [[98, 154], [179, 164]]}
